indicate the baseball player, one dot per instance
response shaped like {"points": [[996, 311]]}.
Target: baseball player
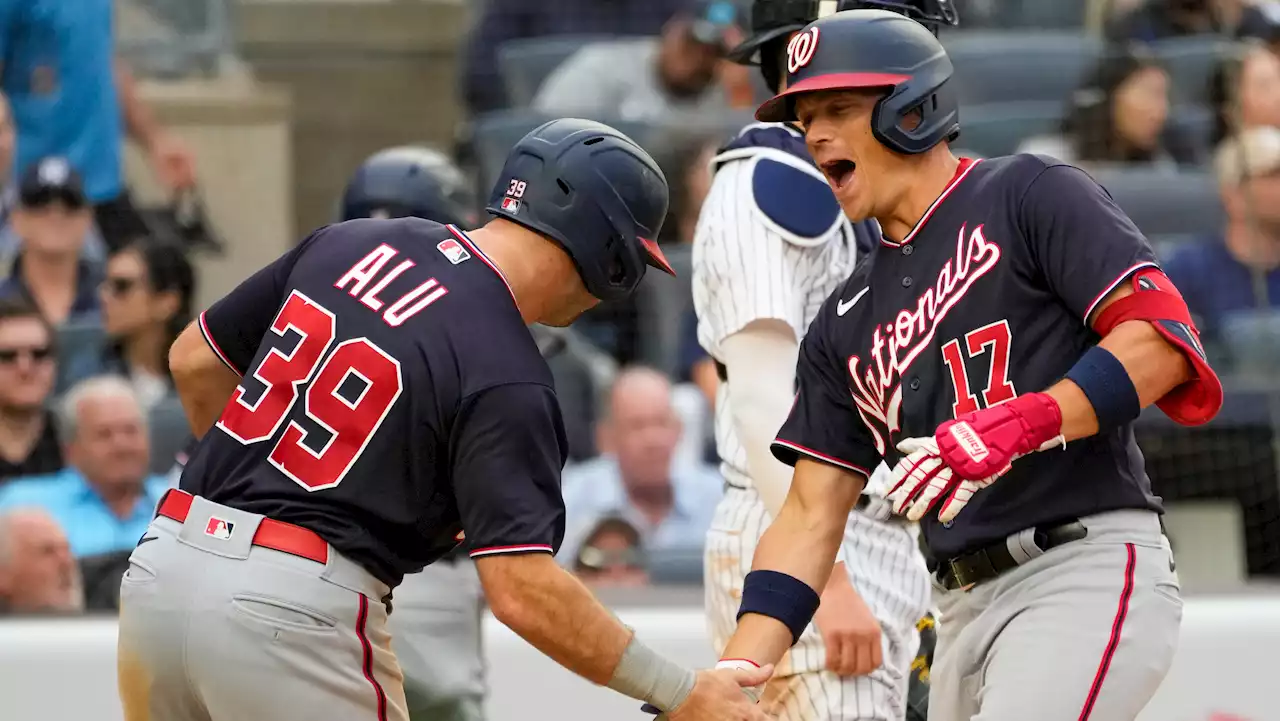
{"points": [[435, 631], [367, 402], [770, 246], [995, 349]]}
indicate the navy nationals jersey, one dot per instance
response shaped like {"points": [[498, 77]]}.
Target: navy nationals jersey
{"points": [[391, 397], [985, 298]]}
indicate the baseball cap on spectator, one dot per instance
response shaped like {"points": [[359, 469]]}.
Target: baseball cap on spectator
{"points": [[51, 179], [1253, 153], [1262, 22], [712, 22]]}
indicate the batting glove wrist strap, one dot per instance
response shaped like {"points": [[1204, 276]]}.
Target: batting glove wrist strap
{"points": [[983, 444], [779, 596], [644, 674]]}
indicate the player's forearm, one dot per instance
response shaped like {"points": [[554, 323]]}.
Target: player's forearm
{"points": [[204, 384], [555, 613], [1154, 366], [761, 360], [802, 542]]}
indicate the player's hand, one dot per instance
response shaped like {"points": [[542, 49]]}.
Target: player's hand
{"points": [[724, 694], [922, 478], [173, 162], [984, 444], [849, 630]]}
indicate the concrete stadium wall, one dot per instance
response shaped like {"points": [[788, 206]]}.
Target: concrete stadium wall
{"points": [[64, 670]]}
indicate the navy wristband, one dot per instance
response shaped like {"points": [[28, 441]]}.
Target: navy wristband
{"points": [[777, 595], [1108, 387]]}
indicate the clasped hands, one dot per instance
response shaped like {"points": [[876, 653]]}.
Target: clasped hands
{"points": [[969, 453]]}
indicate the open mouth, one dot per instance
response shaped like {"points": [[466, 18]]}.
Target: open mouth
{"points": [[839, 172]]}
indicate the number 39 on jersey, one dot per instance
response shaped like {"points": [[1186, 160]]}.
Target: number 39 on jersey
{"points": [[347, 390]]}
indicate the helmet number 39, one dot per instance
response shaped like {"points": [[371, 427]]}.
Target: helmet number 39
{"points": [[801, 49]]}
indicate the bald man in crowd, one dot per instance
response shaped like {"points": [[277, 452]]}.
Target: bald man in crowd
{"points": [[37, 571], [635, 477]]}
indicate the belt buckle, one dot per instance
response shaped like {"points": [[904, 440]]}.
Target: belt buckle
{"points": [[960, 569]]}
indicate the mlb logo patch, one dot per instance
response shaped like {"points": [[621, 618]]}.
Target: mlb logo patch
{"points": [[511, 205], [461, 536], [219, 528], [453, 250]]}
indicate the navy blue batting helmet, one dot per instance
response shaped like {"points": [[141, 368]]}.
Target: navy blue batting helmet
{"points": [[773, 22], [594, 191], [875, 49], [410, 180]]}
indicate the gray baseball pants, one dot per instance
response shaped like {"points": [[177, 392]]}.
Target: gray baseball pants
{"points": [[1083, 632], [435, 625], [213, 628]]}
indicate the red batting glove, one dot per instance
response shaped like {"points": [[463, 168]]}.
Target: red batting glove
{"points": [[983, 444]]}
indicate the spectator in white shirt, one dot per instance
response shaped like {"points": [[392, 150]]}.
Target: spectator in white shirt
{"points": [[635, 478]]}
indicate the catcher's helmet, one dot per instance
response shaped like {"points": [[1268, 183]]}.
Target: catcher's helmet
{"points": [[594, 191], [773, 21], [861, 49], [412, 181]]}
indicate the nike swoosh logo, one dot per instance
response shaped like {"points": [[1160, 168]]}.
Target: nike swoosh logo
{"points": [[144, 539], [843, 306]]}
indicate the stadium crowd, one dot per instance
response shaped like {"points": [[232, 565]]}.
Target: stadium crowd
{"points": [[1173, 104]]}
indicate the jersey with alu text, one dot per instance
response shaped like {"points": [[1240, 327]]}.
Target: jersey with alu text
{"points": [[984, 299], [392, 400]]}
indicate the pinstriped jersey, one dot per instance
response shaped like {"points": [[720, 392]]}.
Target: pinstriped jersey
{"points": [[988, 297], [751, 263]]}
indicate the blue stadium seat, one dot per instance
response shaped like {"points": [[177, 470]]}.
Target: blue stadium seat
{"points": [[1004, 66], [170, 433], [1191, 61], [1026, 14], [662, 303], [80, 349], [994, 129], [1165, 203], [526, 63]]}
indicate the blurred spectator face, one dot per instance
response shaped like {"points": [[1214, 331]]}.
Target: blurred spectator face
{"points": [[1248, 168], [130, 302], [686, 65], [1140, 107], [612, 557], [53, 215], [26, 364], [1260, 89], [37, 571], [8, 138], [693, 45], [642, 430], [110, 445]]}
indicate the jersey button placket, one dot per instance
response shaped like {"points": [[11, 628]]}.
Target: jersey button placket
{"points": [[908, 249], [915, 384], [906, 282]]}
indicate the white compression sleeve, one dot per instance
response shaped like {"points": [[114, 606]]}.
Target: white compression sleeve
{"points": [[761, 362]]}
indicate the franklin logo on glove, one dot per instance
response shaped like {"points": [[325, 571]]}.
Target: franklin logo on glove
{"points": [[969, 441]]}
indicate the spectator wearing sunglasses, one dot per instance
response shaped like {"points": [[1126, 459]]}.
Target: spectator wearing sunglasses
{"points": [[146, 302], [52, 219], [28, 433], [612, 555]]}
